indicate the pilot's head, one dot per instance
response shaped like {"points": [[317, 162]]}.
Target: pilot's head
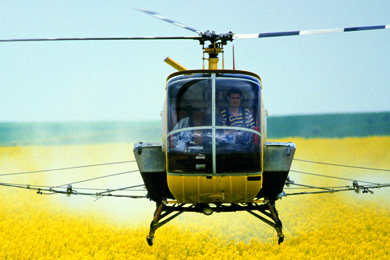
{"points": [[234, 97]]}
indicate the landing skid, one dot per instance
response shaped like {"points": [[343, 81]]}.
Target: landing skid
{"points": [[158, 216], [273, 215], [164, 211]]}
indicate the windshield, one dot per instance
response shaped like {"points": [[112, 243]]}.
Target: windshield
{"points": [[213, 125]]}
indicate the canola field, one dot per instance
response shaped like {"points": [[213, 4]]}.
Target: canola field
{"points": [[343, 225]]}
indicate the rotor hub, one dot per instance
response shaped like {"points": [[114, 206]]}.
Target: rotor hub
{"points": [[217, 40]]}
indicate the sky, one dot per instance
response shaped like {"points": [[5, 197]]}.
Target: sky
{"points": [[125, 80]]}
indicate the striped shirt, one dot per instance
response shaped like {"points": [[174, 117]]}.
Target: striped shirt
{"points": [[230, 120]]}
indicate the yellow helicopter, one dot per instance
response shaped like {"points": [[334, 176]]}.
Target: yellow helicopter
{"points": [[214, 155]]}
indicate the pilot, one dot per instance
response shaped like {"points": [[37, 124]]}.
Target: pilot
{"points": [[235, 115]]}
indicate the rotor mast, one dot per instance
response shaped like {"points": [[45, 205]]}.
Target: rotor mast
{"points": [[214, 48]]}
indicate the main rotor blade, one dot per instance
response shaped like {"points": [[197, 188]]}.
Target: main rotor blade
{"points": [[159, 16], [103, 39], [308, 32]]}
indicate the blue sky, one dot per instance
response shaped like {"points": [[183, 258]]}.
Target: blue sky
{"points": [[89, 81]]}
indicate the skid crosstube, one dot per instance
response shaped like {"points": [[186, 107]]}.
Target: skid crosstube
{"points": [[163, 215]]}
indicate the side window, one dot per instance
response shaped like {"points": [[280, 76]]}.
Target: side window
{"points": [[189, 106], [189, 103]]}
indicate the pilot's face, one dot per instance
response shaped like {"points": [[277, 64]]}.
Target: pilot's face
{"points": [[235, 100]]}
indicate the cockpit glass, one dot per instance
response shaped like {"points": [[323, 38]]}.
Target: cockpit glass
{"points": [[227, 123]]}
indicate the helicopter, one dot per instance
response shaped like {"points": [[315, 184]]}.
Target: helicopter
{"points": [[210, 159]]}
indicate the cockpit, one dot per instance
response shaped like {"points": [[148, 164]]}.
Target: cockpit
{"points": [[214, 124]]}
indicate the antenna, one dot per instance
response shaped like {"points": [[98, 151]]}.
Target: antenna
{"points": [[234, 62]]}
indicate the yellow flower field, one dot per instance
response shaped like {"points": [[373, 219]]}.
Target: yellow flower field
{"points": [[341, 225]]}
